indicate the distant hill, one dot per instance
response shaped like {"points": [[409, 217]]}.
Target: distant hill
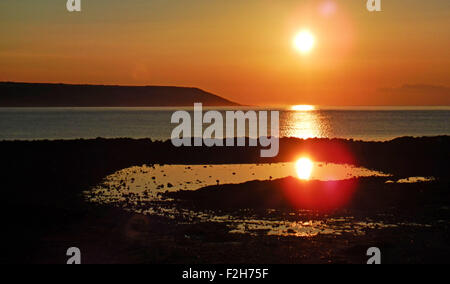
{"points": [[64, 95]]}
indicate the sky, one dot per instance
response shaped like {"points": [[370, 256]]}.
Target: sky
{"points": [[239, 49]]}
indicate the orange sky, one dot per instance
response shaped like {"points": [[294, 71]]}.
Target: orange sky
{"points": [[241, 50]]}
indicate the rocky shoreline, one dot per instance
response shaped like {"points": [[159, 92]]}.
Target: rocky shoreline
{"points": [[43, 181]]}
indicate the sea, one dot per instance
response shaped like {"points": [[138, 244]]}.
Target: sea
{"points": [[359, 123]]}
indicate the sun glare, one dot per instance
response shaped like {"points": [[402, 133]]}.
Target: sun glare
{"points": [[304, 41], [303, 108], [304, 168]]}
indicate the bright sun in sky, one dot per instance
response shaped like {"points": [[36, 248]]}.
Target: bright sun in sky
{"points": [[304, 41], [304, 168]]}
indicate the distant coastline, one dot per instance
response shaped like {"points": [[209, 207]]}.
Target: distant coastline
{"points": [[17, 94]]}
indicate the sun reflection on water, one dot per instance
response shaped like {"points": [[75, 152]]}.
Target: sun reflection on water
{"points": [[303, 123], [303, 108], [304, 168]]}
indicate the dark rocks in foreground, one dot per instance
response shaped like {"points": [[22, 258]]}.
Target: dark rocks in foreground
{"points": [[45, 213], [371, 195]]}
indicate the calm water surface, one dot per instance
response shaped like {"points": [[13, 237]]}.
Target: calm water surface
{"points": [[357, 123]]}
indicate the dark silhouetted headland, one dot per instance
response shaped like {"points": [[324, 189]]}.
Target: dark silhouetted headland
{"points": [[63, 95]]}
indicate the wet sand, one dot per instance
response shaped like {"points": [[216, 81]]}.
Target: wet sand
{"points": [[43, 184]]}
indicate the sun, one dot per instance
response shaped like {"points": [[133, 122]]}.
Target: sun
{"points": [[304, 168], [304, 41]]}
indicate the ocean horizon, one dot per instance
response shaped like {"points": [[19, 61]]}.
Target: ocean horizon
{"points": [[366, 123]]}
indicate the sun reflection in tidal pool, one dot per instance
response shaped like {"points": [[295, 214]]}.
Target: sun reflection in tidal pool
{"points": [[148, 182], [304, 168]]}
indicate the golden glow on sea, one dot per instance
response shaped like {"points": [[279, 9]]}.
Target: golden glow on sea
{"points": [[303, 108], [303, 122], [304, 168]]}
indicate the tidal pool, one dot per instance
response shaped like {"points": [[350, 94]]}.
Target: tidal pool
{"points": [[139, 189], [147, 182]]}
